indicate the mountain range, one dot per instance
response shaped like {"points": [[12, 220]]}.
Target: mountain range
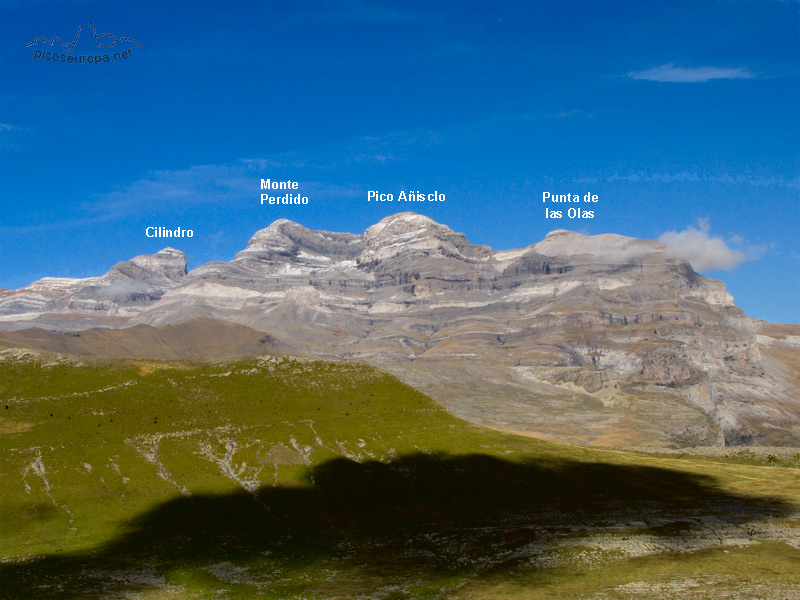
{"points": [[603, 340]]}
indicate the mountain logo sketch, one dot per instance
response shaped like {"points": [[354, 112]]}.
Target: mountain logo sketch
{"points": [[99, 38]]}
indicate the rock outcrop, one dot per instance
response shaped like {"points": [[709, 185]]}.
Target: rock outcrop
{"points": [[601, 340]]}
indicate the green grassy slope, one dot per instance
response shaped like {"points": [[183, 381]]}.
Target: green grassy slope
{"points": [[288, 478]]}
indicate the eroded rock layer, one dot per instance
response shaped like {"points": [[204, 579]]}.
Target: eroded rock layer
{"points": [[601, 340]]}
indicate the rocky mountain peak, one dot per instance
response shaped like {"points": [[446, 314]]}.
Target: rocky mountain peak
{"points": [[168, 263], [412, 232], [403, 227], [285, 239], [278, 237], [607, 247], [568, 337]]}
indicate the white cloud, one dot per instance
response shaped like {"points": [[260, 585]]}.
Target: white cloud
{"points": [[373, 12], [230, 184], [703, 251], [7, 130], [687, 177], [671, 73], [569, 113], [220, 185]]}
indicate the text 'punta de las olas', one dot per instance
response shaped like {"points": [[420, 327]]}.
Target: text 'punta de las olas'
{"points": [[288, 198], [573, 212]]}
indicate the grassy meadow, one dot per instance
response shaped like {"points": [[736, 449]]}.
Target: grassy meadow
{"points": [[276, 477]]}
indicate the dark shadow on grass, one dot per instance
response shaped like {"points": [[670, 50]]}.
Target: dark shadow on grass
{"points": [[427, 515]]}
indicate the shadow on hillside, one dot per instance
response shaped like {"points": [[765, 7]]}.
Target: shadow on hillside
{"points": [[420, 514]]}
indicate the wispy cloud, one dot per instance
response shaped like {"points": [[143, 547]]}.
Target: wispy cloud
{"points": [[671, 73], [382, 149], [686, 176], [706, 252], [206, 185], [214, 239], [361, 11], [230, 183], [564, 114], [6, 130]]}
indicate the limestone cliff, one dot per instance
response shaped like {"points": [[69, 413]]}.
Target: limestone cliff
{"points": [[600, 339]]}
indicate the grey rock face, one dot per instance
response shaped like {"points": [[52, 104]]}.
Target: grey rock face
{"points": [[591, 339], [123, 291], [286, 240]]}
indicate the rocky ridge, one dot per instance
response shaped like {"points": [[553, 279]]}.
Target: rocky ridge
{"points": [[602, 340]]}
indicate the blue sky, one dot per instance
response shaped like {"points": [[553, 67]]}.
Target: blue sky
{"points": [[681, 116]]}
